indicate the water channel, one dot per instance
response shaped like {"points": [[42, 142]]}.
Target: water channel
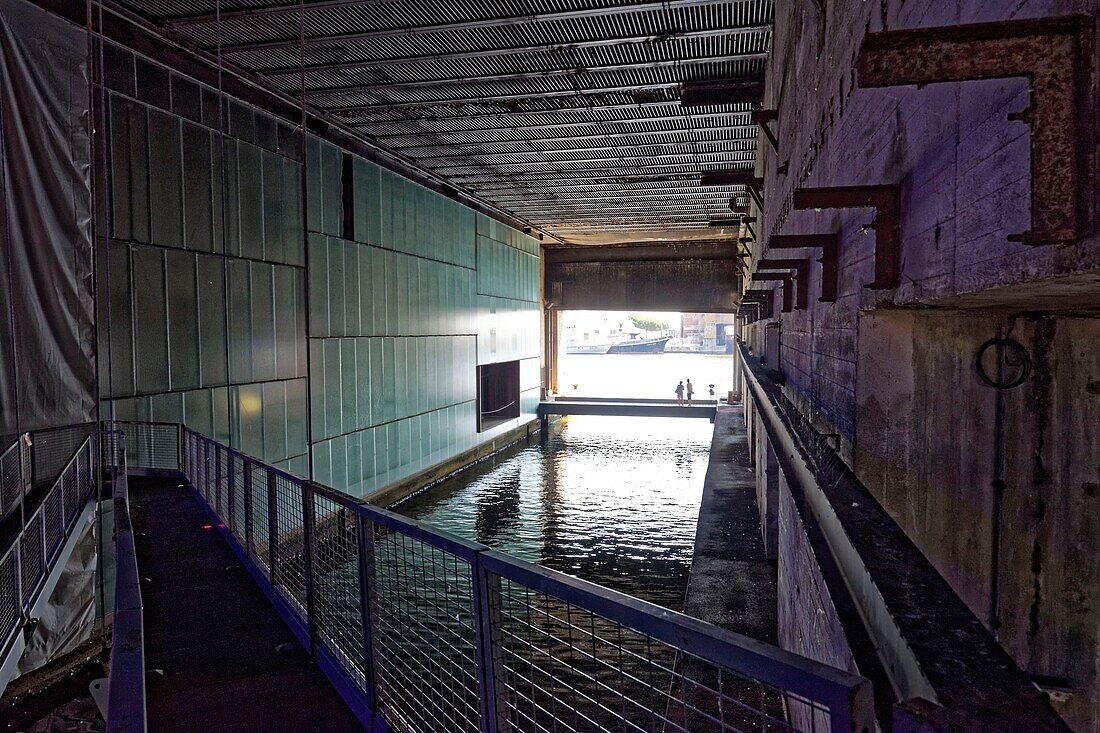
{"points": [[611, 500]]}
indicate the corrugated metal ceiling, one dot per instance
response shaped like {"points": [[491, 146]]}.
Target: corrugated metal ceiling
{"points": [[564, 112]]}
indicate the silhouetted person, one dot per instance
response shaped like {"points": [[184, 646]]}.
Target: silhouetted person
{"points": [[680, 394], [690, 392]]}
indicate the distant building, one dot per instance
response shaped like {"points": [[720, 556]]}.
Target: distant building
{"points": [[708, 331]]}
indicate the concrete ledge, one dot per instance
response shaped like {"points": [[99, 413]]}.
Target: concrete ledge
{"points": [[930, 643], [627, 409], [394, 493]]}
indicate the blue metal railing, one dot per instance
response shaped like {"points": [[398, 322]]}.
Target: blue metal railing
{"points": [[126, 685], [33, 548], [420, 630]]}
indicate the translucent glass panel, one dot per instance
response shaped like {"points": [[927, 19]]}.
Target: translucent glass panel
{"points": [[507, 329], [364, 382], [360, 290], [172, 185], [202, 290], [500, 232], [506, 271], [369, 459]]}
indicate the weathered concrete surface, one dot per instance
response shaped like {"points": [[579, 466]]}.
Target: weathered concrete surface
{"points": [[732, 582], [627, 278], [926, 427]]}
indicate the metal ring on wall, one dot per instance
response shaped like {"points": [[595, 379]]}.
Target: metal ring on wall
{"points": [[1012, 355]]}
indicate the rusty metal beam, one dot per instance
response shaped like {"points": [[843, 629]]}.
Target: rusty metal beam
{"points": [[736, 177], [787, 282], [762, 117], [725, 91], [801, 267], [1057, 57], [735, 222], [886, 201], [829, 244]]}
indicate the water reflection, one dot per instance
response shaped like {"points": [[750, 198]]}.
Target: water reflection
{"points": [[610, 500]]}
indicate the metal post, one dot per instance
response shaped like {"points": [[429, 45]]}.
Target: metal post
{"points": [[230, 491], [308, 529], [366, 602], [487, 600], [272, 527], [218, 483], [179, 446]]}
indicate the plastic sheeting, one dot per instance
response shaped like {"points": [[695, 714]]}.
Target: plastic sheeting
{"points": [[47, 337]]}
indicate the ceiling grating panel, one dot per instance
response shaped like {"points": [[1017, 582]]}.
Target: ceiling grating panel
{"points": [[563, 112]]}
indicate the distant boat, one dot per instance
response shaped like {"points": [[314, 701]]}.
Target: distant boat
{"points": [[632, 345]]}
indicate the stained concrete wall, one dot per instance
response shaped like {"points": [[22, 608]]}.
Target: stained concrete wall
{"points": [[898, 389], [925, 447]]}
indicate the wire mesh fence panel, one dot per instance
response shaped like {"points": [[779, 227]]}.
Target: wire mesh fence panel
{"points": [[259, 546], [151, 445], [221, 463], [10, 598], [52, 449], [53, 520], [423, 634], [12, 483], [289, 538], [336, 583], [239, 513], [30, 553], [561, 667]]}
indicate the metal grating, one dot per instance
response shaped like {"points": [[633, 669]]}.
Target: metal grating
{"points": [[423, 634], [499, 98]]}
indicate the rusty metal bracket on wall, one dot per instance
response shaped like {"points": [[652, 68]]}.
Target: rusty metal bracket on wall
{"points": [[886, 201], [801, 267], [1056, 56], [829, 244], [762, 117], [745, 178], [785, 279]]}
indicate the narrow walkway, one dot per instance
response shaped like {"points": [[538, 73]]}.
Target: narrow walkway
{"points": [[629, 408], [218, 656], [732, 583]]}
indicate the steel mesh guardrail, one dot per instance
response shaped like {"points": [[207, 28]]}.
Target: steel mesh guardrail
{"points": [[423, 631], [15, 474], [34, 547]]}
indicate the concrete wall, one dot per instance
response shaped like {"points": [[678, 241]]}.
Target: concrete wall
{"points": [[925, 447], [332, 327], [897, 386]]}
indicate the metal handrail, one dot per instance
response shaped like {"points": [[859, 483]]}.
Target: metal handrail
{"points": [[126, 694], [289, 532], [31, 557]]}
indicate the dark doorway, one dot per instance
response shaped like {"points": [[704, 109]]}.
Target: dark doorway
{"points": [[497, 394]]}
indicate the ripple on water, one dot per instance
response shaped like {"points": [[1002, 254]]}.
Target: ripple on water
{"points": [[610, 500]]}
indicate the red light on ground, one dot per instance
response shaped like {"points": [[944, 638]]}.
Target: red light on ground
{"points": [[221, 525], [208, 526]]}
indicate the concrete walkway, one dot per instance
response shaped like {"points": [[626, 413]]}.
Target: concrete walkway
{"points": [[732, 584]]}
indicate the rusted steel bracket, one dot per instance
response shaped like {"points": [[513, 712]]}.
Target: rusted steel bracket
{"points": [[1057, 57], [786, 279], [731, 178], [764, 299], [801, 267], [737, 207], [829, 244], [762, 117], [886, 201]]}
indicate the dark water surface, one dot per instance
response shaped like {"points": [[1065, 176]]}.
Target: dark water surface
{"points": [[611, 500]]}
